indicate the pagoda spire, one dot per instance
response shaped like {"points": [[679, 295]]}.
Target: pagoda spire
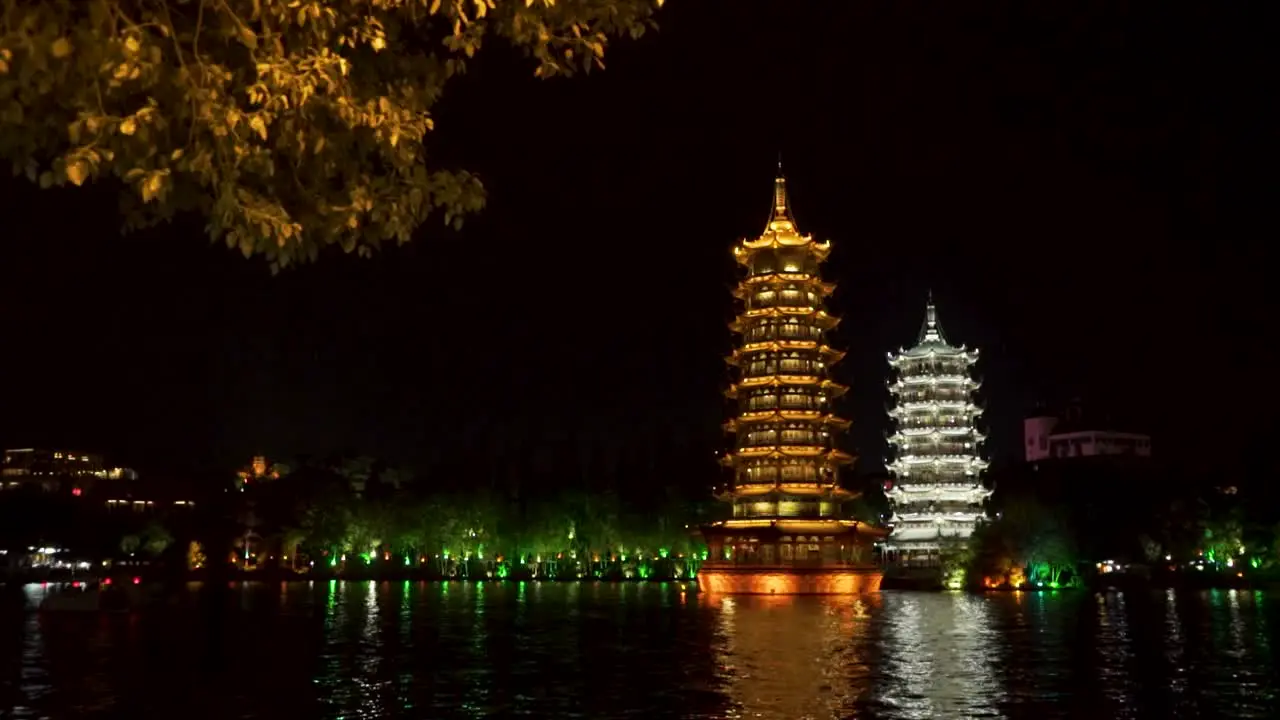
{"points": [[781, 206], [931, 331]]}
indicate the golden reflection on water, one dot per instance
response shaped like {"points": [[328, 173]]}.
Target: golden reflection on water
{"points": [[794, 657], [799, 658]]}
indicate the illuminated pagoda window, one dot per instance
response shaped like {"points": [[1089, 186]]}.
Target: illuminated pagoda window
{"points": [[936, 488]]}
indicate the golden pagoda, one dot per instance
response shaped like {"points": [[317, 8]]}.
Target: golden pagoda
{"points": [[787, 534]]}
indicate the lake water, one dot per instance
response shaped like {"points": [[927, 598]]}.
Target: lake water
{"points": [[548, 650]]}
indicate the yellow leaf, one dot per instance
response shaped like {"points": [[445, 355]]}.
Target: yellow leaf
{"points": [[177, 154], [4, 67], [76, 173], [60, 48], [435, 5], [257, 123], [128, 126], [151, 187]]}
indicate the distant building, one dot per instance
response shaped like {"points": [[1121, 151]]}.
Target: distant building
{"points": [[257, 471], [1048, 437], [52, 469]]}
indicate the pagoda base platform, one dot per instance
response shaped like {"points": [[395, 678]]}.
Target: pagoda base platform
{"points": [[732, 579]]}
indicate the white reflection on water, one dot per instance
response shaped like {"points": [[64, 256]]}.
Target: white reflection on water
{"points": [[34, 681], [1115, 655], [449, 650], [937, 657], [1174, 650]]}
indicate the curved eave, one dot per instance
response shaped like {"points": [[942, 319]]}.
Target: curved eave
{"points": [[959, 406], [782, 280], [832, 389], [819, 315], [800, 489], [819, 319], [813, 416], [830, 355], [921, 352], [779, 240], [800, 526], [832, 457], [787, 277], [967, 385]]}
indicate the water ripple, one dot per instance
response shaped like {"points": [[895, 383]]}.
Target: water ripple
{"points": [[598, 650]]}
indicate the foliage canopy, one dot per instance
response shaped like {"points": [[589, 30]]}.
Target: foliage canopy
{"points": [[289, 124]]}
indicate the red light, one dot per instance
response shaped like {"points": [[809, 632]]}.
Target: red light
{"points": [[76, 491], [137, 580], [75, 584], [106, 581]]}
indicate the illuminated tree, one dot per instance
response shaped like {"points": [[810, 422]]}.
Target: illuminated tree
{"points": [[195, 556], [289, 124], [1028, 537]]}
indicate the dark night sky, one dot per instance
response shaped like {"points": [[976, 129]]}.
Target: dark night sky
{"points": [[1079, 183]]}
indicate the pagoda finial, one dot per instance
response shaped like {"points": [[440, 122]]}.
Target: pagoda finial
{"points": [[932, 331], [781, 210]]}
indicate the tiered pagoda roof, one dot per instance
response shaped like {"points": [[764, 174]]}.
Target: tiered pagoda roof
{"points": [[784, 425]]}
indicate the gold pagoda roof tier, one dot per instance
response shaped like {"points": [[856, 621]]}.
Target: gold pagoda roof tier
{"points": [[810, 489], [815, 416], [746, 250], [816, 316], [818, 452], [832, 388], [752, 284], [784, 278], [798, 526], [830, 355], [786, 345]]}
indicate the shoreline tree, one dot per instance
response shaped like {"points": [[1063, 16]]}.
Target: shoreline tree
{"points": [[290, 125]]}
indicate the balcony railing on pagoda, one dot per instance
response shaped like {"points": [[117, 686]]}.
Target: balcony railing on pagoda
{"points": [[935, 395], [789, 554], [794, 331], [928, 449], [788, 402], [940, 369]]}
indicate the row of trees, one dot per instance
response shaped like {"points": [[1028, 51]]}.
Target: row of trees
{"points": [[357, 516]]}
